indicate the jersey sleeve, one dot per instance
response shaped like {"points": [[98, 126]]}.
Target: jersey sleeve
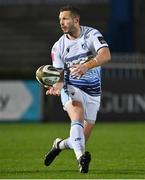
{"points": [[57, 61], [97, 40]]}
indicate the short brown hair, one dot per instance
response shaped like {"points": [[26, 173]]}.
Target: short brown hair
{"points": [[72, 9]]}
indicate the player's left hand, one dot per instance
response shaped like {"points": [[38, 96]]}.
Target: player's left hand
{"points": [[78, 70]]}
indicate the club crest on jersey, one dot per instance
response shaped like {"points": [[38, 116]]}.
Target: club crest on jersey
{"points": [[84, 45]]}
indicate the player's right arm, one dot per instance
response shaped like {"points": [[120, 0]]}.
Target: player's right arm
{"points": [[59, 64], [55, 89]]}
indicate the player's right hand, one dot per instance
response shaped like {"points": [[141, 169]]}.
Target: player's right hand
{"points": [[55, 89]]}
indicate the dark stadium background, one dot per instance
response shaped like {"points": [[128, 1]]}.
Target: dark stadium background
{"points": [[28, 29]]}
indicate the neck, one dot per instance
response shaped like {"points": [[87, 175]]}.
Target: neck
{"points": [[75, 34]]}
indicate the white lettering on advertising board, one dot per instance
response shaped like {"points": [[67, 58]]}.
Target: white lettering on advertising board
{"points": [[122, 103]]}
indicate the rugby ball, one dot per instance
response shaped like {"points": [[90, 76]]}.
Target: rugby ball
{"points": [[47, 75]]}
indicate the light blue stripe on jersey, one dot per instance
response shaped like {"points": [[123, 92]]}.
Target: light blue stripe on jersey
{"points": [[82, 83], [89, 53], [89, 83]]}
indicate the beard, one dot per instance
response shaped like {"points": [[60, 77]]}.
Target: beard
{"points": [[69, 30]]}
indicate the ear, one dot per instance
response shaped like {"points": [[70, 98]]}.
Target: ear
{"points": [[77, 19]]}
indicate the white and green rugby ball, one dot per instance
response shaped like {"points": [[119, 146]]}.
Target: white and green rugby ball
{"points": [[47, 75]]}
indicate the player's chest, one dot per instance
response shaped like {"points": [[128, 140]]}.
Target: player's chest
{"points": [[75, 49]]}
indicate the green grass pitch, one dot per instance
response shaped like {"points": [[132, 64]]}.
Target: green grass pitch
{"points": [[118, 151]]}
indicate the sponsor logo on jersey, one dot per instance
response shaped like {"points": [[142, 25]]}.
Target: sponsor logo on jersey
{"points": [[101, 40]]}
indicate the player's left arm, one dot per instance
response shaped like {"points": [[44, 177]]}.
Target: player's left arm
{"points": [[103, 56]]}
